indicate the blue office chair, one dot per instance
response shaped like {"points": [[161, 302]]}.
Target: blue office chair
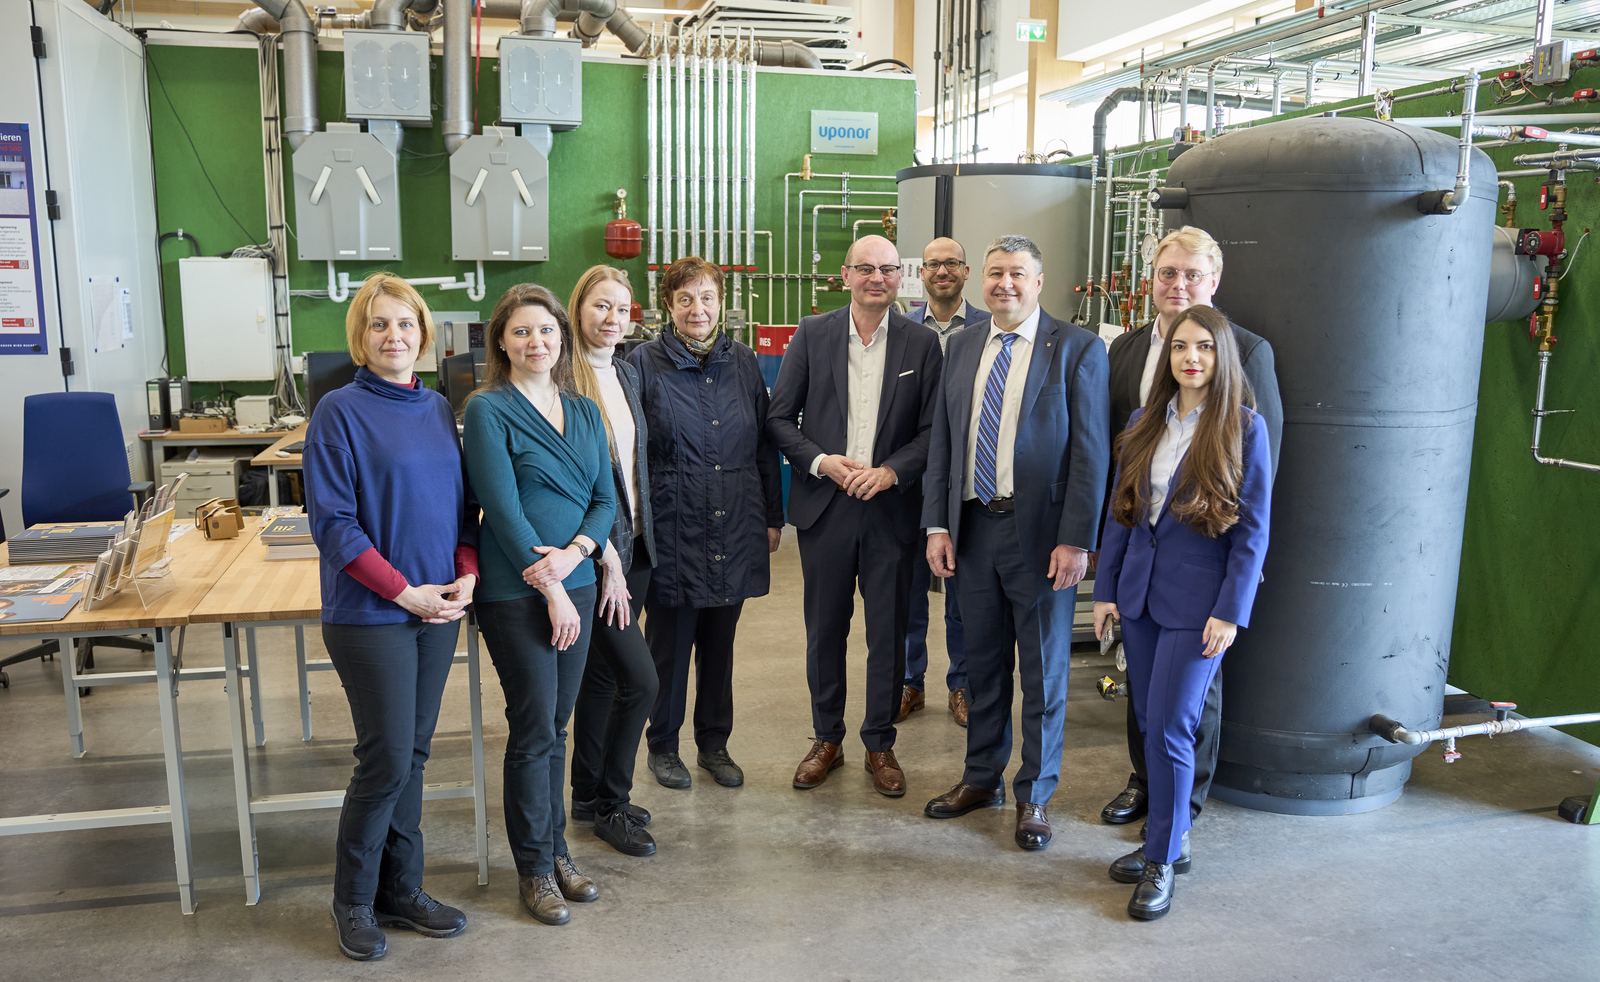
{"points": [[75, 469]]}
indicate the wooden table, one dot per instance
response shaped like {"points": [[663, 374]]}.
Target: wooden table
{"points": [[255, 593], [270, 459], [156, 444], [166, 603]]}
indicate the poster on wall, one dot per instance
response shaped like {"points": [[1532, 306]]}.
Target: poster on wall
{"points": [[21, 285]]}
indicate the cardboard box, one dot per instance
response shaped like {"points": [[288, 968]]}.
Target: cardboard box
{"points": [[202, 424], [219, 518]]}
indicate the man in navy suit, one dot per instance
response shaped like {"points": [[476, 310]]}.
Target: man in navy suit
{"points": [[852, 410], [944, 276], [1021, 447]]}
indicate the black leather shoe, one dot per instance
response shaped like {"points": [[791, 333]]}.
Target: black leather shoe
{"points": [[1152, 898], [669, 770], [1130, 868], [625, 833], [964, 798], [572, 882], [583, 813], [419, 912], [723, 770], [360, 937], [1127, 806]]}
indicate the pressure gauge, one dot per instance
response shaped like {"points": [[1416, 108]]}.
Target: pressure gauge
{"points": [[1147, 247]]}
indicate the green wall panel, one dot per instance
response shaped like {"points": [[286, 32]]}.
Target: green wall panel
{"points": [[214, 92]]}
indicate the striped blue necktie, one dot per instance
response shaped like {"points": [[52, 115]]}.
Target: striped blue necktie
{"points": [[994, 391]]}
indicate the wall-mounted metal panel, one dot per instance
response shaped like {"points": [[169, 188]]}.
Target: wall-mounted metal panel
{"points": [[499, 198], [227, 319], [541, 81], [386, 76], [347, 196]]}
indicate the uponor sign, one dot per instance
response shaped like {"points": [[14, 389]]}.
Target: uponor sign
{"points": [[841, 132]]}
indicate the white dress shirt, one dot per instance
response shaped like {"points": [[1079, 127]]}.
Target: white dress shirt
{"points": [[1170, 451], [864, 389], [1010, 405], [1152, 361], [620, 415]]}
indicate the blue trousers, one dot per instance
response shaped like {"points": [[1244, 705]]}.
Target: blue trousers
{"points": [[541, 685], [393, 675], [917, 629], [1168, 679], [1013, 621]]}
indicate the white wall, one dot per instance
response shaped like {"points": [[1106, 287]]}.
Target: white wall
{"points": [[1091, 29]]}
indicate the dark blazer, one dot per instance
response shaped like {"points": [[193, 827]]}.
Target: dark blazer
{"points": [[622, 531], [714, 476], [1128, 353], [917, 311], [1063, 446], [808, 416], [1181, 577]]}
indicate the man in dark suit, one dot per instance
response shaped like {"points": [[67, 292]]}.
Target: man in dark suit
{"points": [[1188, 265], [943, 311], [1020, 447], [852, 409]]}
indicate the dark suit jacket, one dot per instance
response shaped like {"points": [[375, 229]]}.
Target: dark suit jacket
{"points": [[917, 310], [1128, 353], [808, 416], [1063, 445], [1179, 577]]}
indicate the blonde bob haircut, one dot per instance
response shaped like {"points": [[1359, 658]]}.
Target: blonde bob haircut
{"points": [[358, 318], [1195, 240]]}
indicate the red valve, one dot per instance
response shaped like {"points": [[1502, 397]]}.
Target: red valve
{"points": [[1585, 95], [1588, 54], [1534, 133], [1452, 755], [1533, 327], [1509, 75]]}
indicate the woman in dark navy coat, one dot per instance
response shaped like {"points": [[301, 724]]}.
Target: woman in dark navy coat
{"points": [[1180, 559], [718, 508]]}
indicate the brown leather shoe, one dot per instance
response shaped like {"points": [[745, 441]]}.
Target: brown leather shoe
{"points": [[964, 798], [819, 760], [911, 700], [1033, 826], [958, 706], [887, 776]]}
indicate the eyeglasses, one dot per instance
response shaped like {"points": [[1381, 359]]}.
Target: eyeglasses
{"points": [[951, 264], [866, 270], [1167, 274]]}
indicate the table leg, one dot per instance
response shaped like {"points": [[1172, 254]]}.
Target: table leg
{"points": [[69, 685], [305, 688], [272, 491], [251, 863], [480, 806], [172, 748], [255, 685]]}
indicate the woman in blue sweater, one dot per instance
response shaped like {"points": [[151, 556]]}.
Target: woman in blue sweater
{"points": [[540, 466], [388, 508]]}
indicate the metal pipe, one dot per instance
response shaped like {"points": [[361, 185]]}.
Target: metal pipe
{"points": [[1105, 256], [1392, 731], [736, 159], [1469, 103], [1277, 93], [652, 127], [457, 124], [298, 35], [668, 130], [682, 169], [1183, 102], [855, 227], [1369, 47], [708, 100], [538, 18], [591, 20], [785, 54], [750, 160], [1311, 83], [1554, 159], [626, 29], [725, 184], [693, 214], [390, 15], [1211, 98], [1094, 180], [816, 247], [1539, 413], [1531, 119]]}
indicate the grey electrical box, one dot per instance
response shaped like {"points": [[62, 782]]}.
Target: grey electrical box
{"points": [[1551, 63], [386, 76], [346, 196], [499, 198], [541, 81]]}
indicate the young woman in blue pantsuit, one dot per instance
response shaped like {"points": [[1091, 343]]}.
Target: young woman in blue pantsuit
{"points": [[1180, 559]]}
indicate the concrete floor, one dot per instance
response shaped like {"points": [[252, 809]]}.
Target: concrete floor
{"points": [[1470, 874]]}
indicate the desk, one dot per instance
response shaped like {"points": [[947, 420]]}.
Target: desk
{"points": [[269, 459], [156, 444], [197, 563], [256, 593]]}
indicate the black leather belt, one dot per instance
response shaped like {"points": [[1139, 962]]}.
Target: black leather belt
{"points": [[996, 506]]}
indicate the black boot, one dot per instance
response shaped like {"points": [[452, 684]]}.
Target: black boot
{"points": [[419, 912], [1130, 868], [1152, 898], [360, 937]]}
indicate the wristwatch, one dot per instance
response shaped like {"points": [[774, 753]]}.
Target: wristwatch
{"points": [[581, 548]]}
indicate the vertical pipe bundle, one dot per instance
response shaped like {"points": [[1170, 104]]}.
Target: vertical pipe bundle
{"points": [[652, 142]]}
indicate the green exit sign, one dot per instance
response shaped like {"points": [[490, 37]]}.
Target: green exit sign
{"points": [[1030, 30]]}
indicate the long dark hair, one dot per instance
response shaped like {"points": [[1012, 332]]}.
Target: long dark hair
{"points": [[497, 367], [1207, 497]]}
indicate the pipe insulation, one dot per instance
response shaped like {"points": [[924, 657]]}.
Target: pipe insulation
{"points": [[390, 15], [298, 35], [457, 123]]}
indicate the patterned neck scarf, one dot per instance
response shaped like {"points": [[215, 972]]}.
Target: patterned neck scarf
{"points": [[698, 348]]}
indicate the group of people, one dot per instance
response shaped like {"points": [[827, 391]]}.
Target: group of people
{"points": [[582, 490]]}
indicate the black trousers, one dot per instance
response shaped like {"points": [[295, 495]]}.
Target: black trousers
{"points": [[393, 675], [675, 636], [541, 684], [852, 542], [1208, 739], [614, 701]]}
